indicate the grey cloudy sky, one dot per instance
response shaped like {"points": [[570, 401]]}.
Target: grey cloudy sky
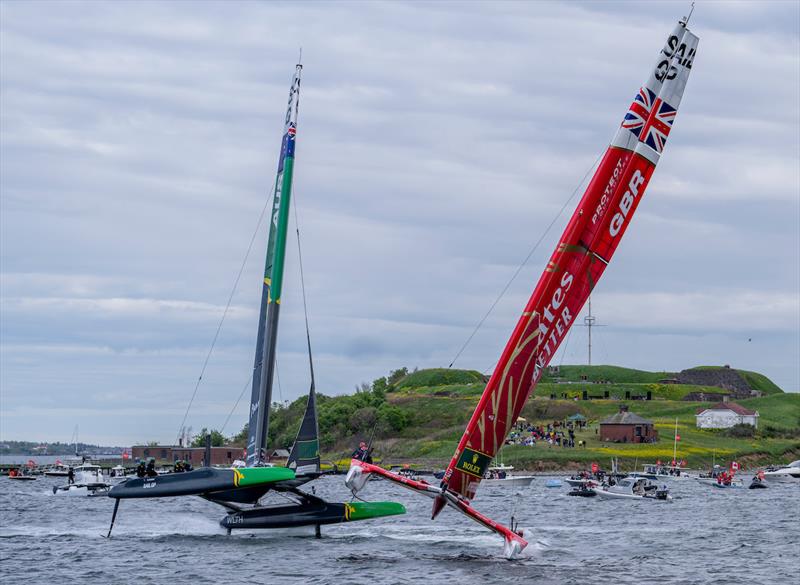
{"points": [[436, 143]]}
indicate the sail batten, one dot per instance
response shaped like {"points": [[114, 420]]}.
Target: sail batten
{"points": [[581, 256]]}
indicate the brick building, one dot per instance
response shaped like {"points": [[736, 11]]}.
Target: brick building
{"points": [[626, 427], [194, 455]]}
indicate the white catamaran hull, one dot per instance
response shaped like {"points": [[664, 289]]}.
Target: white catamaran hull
{"points": [[76, 490]]}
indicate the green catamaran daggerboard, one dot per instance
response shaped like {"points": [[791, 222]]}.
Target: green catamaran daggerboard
{"points": [[240, 489]]}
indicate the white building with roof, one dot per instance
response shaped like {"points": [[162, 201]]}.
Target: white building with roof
{"points": [[723, 415]]}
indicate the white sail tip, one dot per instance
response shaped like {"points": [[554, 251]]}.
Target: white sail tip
{"points": [[513, 547]]}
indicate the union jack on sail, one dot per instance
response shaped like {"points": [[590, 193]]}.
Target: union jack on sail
{"points": [[658, 125], [639, 111], [650, 119]]}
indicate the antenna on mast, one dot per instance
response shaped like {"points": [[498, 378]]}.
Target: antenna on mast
{"points": [[686, 18], [589, 322], [300, 56]]}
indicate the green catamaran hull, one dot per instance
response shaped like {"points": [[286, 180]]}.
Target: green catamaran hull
{"points": [[313, 511], [239, 485]]}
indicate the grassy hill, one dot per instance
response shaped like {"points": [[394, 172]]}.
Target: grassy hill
{"points": [[418, 417], [756, 381]]}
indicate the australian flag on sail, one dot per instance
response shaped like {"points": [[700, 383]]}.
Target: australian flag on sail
{"points": [[287, 148], [650, 119]]}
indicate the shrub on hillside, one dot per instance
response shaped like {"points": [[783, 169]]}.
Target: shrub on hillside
{"points": [[392, 418], [741, 430]]}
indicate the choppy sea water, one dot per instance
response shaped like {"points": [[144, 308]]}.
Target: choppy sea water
{"points": [[705, 535]]}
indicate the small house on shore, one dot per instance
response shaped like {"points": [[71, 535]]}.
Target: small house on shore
{"points": [[627, 427], [167, 454], [724, 415]]}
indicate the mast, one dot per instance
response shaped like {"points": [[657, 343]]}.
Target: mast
{"points": [[264, 367], [579, 260]]}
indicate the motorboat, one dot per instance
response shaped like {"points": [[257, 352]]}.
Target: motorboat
{"points": [[406, 472], [657, 472], [719, 477], [585, 478], [89, 481], [736, 484], [634, 488], [58, 470], [758, 482], [789, 472], [583, 491], [118, 472], [500, 475], [20, 474]]}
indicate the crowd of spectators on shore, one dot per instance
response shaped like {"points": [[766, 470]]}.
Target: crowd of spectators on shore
{"points": [[555, 434]]}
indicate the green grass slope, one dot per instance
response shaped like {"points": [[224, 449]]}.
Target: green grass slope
{"points": [[614, 374], [421, 416], [440, 377]]}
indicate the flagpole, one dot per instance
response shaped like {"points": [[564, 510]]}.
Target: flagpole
{"points": [[675, 445]]}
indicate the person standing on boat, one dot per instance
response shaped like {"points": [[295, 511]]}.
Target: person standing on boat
{"points": [[363, 453], [151, 468], [71, 476]]}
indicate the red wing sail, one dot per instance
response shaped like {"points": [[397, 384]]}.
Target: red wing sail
{"points": [[584, 250]]}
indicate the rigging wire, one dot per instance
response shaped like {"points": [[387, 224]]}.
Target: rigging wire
{"points": [[278, 379], [224, 314], [524, 262], [566, 345], [241, 394]]}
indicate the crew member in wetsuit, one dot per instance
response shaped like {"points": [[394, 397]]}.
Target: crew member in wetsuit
{"points": [[151, 468], [70, 476], [363, 453], [140, 470]]}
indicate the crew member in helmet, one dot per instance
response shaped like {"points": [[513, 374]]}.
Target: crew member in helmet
{"points": [[363, 453]]}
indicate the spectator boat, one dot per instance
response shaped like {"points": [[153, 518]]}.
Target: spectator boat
{"points": [[89, 481], [500, 475], [787, 473], [634, 488]]}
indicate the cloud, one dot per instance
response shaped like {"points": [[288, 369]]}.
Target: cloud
{"points": [[436, 143]]}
